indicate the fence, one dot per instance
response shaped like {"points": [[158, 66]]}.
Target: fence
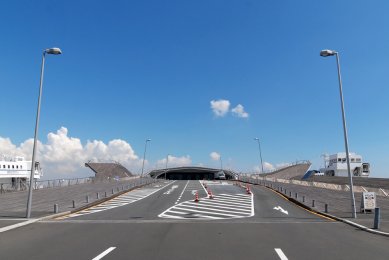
{"points": [[21, 185]]}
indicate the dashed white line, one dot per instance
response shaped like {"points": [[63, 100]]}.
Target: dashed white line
{"points": [[182, 192], [280, 254], [106, 252]]}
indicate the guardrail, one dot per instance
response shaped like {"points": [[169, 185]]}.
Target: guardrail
{"points": [[45, 184]]}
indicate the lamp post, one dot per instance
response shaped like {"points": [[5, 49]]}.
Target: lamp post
{"points": [[54, 51], [326, 53], [144, 155], [167, 160], [260, 152], [221, 162]]}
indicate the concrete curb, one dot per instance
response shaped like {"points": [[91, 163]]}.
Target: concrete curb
{"points": [[364, 228]]}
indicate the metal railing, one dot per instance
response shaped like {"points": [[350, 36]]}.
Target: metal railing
{"points": [[45, 184]]}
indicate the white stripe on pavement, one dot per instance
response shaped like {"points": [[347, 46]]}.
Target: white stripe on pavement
{"points": [[280, 254], [106, 252]]}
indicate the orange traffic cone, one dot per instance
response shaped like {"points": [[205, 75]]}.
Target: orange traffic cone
{"points": [[210, 195], [248, 189], [196, 197]]}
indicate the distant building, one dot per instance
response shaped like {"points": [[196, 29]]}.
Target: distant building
{"points": [[15, 171], [336, 165], [108, 171]]}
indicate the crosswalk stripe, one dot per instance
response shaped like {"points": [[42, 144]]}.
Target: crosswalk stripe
{"points": [[213, 213], [121, 200], [223, 208], [217, 206], [200, 207], [209, 202]]}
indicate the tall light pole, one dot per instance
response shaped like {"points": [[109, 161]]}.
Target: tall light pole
{"points": [[144, 155], [221, 162], [260, 152], [54, 51], [326, 53], [167, 160]]}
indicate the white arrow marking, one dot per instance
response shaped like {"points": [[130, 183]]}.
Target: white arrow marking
{"points": [[281, 209]]}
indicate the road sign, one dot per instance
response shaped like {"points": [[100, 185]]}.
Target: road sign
{"points": [[368, 201]]}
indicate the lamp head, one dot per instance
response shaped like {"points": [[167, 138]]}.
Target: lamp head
{"points": [[55, 51], [326, 53]]}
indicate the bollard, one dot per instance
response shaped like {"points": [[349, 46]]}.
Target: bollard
{"points": [[377, 218], [303, 198], [271, 185], [74, 204], [105, 194], [117, 189], [290, 194], [87, 199], [326, 208], [313, 203], [281, 189], [112, 191], [97, 195], [56, 209], [295, 195]]}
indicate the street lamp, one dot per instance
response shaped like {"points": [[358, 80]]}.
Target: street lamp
{"points": [[260, 152], [326, 53], [221, 162], [167, 160], [144, 155], [54, 51]]}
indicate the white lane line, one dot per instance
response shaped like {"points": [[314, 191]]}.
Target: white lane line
{"points": [[3, 229], [206, 192], [106, 252], [179, 197], [280, 254]]}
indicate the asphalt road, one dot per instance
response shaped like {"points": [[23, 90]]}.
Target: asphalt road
{"points": [[163, 222]]}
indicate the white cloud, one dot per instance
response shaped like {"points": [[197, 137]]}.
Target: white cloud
{"points": [[220, 107], [214, 156], [175, 161], [64, 157], [239, 111]]}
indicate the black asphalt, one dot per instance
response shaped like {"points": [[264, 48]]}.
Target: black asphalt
{"points": [[138, 233]]}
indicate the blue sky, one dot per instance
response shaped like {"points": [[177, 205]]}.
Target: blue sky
{"points": [[133, 70]]}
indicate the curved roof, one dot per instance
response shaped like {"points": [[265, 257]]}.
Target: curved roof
{"points": [[190, 170]]}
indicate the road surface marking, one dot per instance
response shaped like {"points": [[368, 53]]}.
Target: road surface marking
{"points": [[281, 209], [121, 200], [3, 229], [212, 208], [171, 190], [280, 254], [179, 197], [106, 252]]}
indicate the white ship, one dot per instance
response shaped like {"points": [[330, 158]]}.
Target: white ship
{"points": [[16, 170], [336, 165]]}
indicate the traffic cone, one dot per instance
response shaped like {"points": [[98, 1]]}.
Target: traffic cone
{"points": [[210, 195], [196, 197], [248, 189]]}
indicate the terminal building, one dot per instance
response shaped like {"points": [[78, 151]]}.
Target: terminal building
{"points": [[193, 173], [336, 165]]}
